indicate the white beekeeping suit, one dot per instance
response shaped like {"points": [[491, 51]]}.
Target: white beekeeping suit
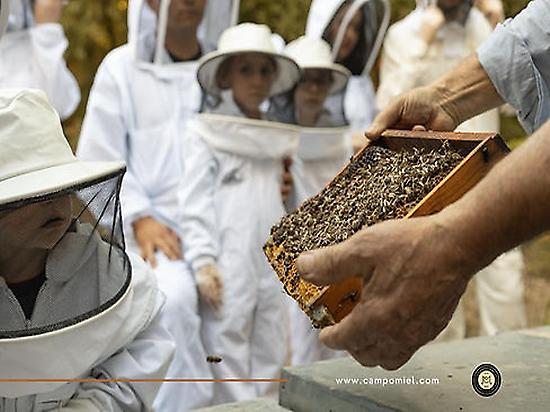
{"points": [[322, 152], [77, 307], [138, 107], [359, 101], [31, 55], [409, 62], [230, 197]]}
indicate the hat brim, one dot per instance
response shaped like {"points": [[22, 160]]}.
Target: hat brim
{"points": [[340, 74], [55, 179], [288, 72]]}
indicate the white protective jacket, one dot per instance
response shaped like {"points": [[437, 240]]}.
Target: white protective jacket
{"points": [[124, 341], [230, 197], [359, 101], [137, 111], [408, 62], [33, 57]]}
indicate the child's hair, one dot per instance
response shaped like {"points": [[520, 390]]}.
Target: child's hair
{"points": [[357, 59]]}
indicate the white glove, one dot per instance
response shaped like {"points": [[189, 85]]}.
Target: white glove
{"points": [[210, 285]]}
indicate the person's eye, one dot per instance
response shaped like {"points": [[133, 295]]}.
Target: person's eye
{"points": [[245, 70], [266, 71]]}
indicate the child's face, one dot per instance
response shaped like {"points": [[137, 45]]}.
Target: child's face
{"points": [[351, 36], [36, 226], [250, 77], [312, 90]]}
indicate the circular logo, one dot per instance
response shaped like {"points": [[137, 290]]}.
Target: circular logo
{"points": [[486, 379]]}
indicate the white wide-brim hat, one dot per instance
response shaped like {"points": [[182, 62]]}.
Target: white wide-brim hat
{"points": [[35, 158], [247, 38], [315, 53]]}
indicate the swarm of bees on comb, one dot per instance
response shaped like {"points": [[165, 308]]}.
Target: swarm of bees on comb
{"points": [[378, 184]]}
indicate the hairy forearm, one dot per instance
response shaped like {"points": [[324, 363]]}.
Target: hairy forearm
{"points": [[508, 207], [467, 91]]}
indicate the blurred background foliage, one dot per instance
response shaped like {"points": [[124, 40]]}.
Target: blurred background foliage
{"points": [[95, 27]]}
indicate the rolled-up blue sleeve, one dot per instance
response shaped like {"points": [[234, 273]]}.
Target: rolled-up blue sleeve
{"points": [[517, 59]]}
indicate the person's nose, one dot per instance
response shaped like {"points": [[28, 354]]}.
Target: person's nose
{"points": [[312, 86], [258, 79]]}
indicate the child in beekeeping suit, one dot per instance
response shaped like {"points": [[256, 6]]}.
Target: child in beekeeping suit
{"points": [[230, 198], [355, 30], [323, 151], [426, 44], [32, 53], [73, 304], [144, 93]]}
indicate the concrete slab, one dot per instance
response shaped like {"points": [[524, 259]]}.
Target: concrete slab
{"points": [[257, 405], [523, 359]]}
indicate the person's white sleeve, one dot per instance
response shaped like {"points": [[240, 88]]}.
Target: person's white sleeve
{"points": [[196, 202], [147, 357], [401, 64], [104, 137], [517, 60], [48, 47]]}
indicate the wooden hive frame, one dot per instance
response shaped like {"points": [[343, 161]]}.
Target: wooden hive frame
{"points": [[481, 152]]}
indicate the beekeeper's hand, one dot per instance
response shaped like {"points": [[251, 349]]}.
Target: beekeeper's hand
{"points": [[210, 284], [48, 11], [152, 236], [419, 107], [459, 95], [287, 182], [492, 9], [414, 274], [432, 20]]}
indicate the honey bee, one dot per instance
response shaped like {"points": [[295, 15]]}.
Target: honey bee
{"points": [[213, 359]]}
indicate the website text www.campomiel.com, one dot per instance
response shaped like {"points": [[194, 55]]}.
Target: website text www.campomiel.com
{"points": [[405, 380]]}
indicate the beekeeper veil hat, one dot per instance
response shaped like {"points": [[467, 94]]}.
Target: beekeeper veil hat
{"points": [[315, 60], [314, 53], [247, 38], [62, 262]]}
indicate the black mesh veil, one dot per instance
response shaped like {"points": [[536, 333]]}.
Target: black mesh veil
{"points": [[284, 108], [62, 257]]}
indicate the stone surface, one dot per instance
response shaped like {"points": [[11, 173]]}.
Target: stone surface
{"points": [[523, 359], [258, 405]]}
